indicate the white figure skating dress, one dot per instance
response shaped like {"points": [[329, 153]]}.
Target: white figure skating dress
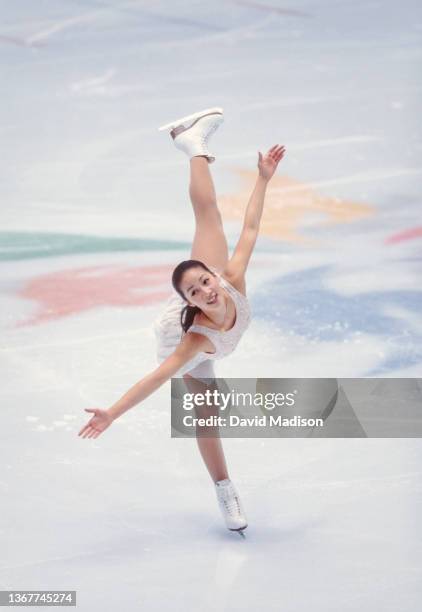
{"points": [[169, 333]]}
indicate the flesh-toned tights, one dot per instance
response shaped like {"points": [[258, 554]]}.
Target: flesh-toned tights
{"points": [[210, 247]]}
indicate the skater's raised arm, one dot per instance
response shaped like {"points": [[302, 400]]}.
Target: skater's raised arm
{"points": [[189, 346], [267, 165]]}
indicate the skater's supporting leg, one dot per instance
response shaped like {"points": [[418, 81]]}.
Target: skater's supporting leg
{"points": [[209, 243], [213, 455], [210, 447]]}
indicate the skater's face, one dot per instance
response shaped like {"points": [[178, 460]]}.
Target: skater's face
{"points": [[201, 288]]}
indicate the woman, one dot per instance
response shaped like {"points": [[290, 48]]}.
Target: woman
{"points": [[207, 317]]}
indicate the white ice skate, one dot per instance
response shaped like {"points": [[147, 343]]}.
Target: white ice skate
{"points": [[230, 505], [191, 133]]}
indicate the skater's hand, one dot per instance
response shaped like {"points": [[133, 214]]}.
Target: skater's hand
{"points": [[267, 164], [95, 426]]}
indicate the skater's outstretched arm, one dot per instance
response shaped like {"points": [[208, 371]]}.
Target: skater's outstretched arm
{"points": [[190, 345], [267, 165]]}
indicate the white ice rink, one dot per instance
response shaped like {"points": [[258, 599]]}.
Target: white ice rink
{"points": [[94, 214]]}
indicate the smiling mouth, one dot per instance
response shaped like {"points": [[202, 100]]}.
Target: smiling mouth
{"points": [[213, 299]]}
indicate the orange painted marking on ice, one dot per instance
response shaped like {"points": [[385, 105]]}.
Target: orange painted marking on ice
{"points": [[410, 234], [288, 203], [68, 292]]}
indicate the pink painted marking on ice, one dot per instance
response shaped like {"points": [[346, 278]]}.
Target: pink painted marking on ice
{"points": [[410, 234], [70, 292]]}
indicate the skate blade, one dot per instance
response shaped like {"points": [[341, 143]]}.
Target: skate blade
{"points": [[176, 122], [240, 531]]}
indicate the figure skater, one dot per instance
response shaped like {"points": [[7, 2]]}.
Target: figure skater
{"points": [[209, 312]]}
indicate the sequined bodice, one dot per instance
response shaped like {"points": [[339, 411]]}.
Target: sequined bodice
{"points": [[169, 332], [226, 341]]}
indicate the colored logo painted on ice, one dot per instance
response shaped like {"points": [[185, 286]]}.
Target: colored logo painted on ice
{"points": [[409, 234], [70, 292], [302, 304], [288, 204]]}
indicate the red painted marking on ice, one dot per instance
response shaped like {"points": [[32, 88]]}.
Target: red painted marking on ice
{"points": [[69, 292], [410, 234]]}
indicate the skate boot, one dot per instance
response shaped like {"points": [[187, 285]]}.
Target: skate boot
{"points": [[191, 133], [230, 505]]}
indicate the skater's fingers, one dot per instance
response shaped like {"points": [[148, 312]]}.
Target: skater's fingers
{"points": [[273, 154], [87, 432], [84, 428], [279, 154], [276, 149]]}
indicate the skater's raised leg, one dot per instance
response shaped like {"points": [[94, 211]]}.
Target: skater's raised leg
{"points": [[209, 242], [191, 135]]}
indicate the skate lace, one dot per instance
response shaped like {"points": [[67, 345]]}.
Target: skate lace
{"points": [[204, 138], [231, 503]]}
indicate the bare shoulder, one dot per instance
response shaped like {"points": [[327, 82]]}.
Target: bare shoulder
{"points": [[237, 280]]}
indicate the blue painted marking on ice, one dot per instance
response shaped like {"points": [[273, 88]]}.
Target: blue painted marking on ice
{"points": [[300, 303]]}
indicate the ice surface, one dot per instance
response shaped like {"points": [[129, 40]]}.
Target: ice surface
{"points": [[94, 205]]}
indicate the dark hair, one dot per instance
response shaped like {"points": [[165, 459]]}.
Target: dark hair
{"points": [[188, 313]]}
